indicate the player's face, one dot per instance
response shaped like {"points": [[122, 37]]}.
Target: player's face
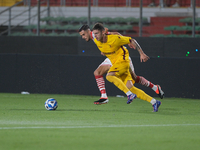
{"points": [[85, 35], [98, 35]]}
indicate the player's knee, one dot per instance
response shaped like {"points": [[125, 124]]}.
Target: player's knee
{"points": [[129, 84], [95, 73], [100, 71]]}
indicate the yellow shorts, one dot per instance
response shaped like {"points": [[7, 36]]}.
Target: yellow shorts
{"points": [[121, 70]]}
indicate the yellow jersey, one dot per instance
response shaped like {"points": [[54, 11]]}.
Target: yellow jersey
{"points": [[114, 49]]}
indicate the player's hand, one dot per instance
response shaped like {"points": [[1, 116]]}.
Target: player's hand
{"points": [[102, 54], [144, 57], [106, 30]]}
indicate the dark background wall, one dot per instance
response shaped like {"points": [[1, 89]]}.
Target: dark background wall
{"points": [[153, 47], [58, 65]]}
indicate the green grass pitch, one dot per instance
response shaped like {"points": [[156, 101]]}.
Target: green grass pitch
{"points": [[78, 124]]}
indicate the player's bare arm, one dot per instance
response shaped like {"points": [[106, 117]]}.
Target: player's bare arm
{"points": [[134, 44]]}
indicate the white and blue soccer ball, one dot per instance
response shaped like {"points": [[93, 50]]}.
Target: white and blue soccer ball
{"points": [[51, 104]]}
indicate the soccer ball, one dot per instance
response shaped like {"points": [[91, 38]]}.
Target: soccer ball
{"points": [[51, 104]]}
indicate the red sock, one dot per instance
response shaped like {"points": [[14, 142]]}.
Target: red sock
{"points": [[101, 85], [141, 80]]}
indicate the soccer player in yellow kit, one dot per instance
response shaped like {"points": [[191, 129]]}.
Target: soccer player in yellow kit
{"points": [[102, 69], [118, 74]]}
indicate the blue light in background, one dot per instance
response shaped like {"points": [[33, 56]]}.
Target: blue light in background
{"points": [[83, 51], [197, 50]]}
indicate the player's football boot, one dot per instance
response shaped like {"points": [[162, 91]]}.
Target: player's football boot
{"points": [[160, 92], [131, 97], [101, 101], [156, 106]]}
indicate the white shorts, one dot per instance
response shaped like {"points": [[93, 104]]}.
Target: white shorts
{"points": [[108, 62]]}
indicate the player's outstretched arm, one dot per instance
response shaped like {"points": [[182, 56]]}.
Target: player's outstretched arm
{"points": [[134, 44]]}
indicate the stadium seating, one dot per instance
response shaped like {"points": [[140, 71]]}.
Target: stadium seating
{"points": [[189, 20], [171, 28], [174, 35], [158, 35], [95, 19], [66, 25], [186, 29]]}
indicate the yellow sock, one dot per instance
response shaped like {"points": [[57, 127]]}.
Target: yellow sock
{"points": [[141, 94], [118, 83]]}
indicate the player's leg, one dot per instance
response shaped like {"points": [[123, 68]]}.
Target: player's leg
{"points": [[118, 83], [140, 94], [141, 80], [98, 73], [114, 76], [143, 96]]}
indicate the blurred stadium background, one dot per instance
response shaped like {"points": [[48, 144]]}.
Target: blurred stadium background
{"points": [[42, 52], [63, 17]]}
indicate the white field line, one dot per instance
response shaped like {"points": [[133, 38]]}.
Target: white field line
{"points": [[107, 126]]}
